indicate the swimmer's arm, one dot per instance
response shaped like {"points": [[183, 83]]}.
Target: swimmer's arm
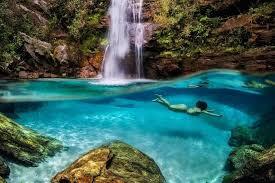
{"points": [[211, 114]]}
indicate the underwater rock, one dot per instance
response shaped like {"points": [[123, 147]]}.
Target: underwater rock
{"points": [[258, 167], [242, 136], [115, 162], [23, 145], [262, 132], [2, 180], [243, 154], [4, 169]]}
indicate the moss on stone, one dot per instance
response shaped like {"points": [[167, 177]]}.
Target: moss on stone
{"points": [[114, 162], [257, 165], [24, 145], [241, 155], [2, 180]]}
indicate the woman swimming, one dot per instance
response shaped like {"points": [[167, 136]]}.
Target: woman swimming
{"points": [[201, 107]]}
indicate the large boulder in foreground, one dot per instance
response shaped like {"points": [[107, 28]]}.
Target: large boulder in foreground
{"points": [[259, 167], [24, 145], [116, 162]]}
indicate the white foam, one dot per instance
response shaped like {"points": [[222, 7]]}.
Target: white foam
{"points": [[120, 82]]}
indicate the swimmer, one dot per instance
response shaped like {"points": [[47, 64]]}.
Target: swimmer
{"points": [[201, 107]]}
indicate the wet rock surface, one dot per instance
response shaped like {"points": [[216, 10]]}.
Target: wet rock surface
{"points": [[254, 60], [2, 180], [25, 146], [4, 169], [242, 155], [253, 159], [257, 168], [115, 162], [262, 132]]}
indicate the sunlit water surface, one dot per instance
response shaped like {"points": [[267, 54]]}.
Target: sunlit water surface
{"points": [[84, 114]]}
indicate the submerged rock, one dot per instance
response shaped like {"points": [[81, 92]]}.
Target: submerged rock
{"points": [[262, 132], [4, 169], [2, 180], [24, 145], [257, 168], [240, 156], [250, 162], [242, 136], [116, 162]]}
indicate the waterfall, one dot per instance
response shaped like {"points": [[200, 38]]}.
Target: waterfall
{"points": [[139, 38], [126, 27]]}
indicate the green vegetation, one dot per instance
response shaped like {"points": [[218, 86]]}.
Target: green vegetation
{"points": [[190, 28], [81, 19], [75, 22], [11, 22], [264, 13]]}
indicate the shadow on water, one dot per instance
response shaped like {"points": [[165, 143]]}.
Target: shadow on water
{"points": [[12, 109]]}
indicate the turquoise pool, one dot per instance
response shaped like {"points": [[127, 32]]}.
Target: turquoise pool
{"points": [[84, 114]]}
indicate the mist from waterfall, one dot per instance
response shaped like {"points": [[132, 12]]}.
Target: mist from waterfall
{"points": [[125, 28]]}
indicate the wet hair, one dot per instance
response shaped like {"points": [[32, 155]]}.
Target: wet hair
{"points": [[201, 105]]}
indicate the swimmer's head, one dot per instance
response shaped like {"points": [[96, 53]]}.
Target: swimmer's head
{"points": [[201, 105]]}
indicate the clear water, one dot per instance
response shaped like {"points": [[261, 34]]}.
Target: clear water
{"points": [[189, 149]]}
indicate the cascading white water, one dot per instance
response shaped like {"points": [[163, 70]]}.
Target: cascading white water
{"points": [[125, 15], [139, 38]]}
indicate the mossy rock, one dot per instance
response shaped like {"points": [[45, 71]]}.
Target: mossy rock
{"points": [[23, 145], [258, 168], [114, 162], [4, 168], [262, 132], [241, 155], [2, 180], [242, 136]]}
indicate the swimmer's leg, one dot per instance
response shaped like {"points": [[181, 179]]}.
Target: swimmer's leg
{"points": [[162, 100]]}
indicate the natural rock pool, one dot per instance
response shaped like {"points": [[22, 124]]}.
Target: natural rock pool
{"points": [[84, 114]]}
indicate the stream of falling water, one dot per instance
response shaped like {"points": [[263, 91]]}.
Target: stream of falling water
{"points": [[125, 17]]}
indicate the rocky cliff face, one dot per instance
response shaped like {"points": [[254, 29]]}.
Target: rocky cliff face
{"points": [[56, 38], [65, 38], [203, 34]]}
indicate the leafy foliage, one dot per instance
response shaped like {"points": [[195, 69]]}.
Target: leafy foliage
{"points": [[11, 22], [188, 28]]}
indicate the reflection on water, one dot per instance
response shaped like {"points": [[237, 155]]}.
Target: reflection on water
{"points": [[186, 148]]}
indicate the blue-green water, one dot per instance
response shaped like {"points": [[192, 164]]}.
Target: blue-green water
{"points": [[84, 114]]}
